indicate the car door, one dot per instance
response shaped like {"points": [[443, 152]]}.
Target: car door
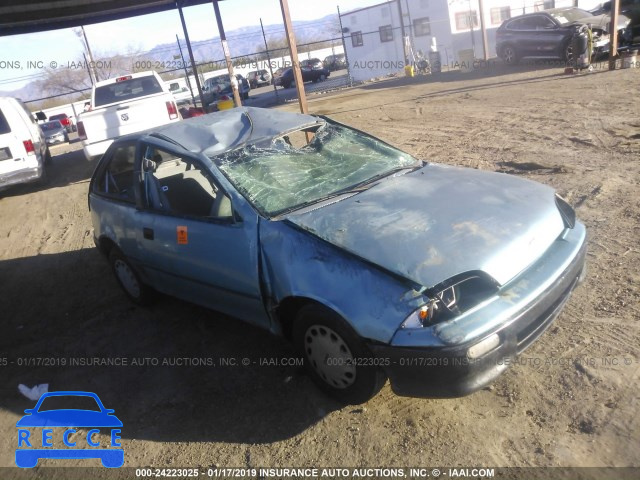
{"points": [[113, 200], [194, 244], [547, 34]]}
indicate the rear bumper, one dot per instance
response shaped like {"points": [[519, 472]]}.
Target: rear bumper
{"points": [[24, 175], [448, 371], [95, 150]]}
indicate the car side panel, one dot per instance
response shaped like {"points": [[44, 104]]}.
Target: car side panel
{"points": [[297, 264]]}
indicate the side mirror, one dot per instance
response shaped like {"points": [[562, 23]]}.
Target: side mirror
{"points": [[29, 410]]}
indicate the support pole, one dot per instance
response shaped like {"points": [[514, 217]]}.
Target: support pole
{"points": [[402, 32], [344, 49], [227, 55], [483, 29], [266, 48], [186, 73], [613, 32], [193, 62], [291, 39]]}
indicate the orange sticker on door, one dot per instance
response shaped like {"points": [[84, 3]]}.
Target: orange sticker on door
{"points": [[183, 236]]}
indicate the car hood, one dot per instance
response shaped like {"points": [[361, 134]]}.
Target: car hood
{"points": [[604, 20], [439, 221]]}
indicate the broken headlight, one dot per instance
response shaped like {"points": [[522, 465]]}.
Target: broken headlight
{"points": [[452, 298]]}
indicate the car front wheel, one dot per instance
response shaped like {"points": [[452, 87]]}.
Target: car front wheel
{"points": [[509, 55], [128, 278], [335, 356]]}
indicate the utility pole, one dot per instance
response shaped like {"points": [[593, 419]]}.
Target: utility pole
{"points": [[293, 48], [402, 32], [227, 55], [93, 80], [266, 48], [90, 64], [613, 45], [483, 29], [193, 62], [186, 74]]}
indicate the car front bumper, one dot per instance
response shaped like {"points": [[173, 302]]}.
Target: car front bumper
{"points": [[446, 370]]}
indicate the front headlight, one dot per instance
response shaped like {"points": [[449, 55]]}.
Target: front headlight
{"points": [[453, 297]]}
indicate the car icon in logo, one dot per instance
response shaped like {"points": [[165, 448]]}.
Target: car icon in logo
{"points": [[92, 414]]}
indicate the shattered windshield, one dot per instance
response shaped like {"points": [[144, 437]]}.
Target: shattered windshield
{"points": [[278, 177]]}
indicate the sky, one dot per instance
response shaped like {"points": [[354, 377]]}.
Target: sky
{"points": [[57, 47]]}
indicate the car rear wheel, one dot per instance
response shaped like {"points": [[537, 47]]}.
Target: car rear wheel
{"points": [[509, 55], [323, 77], [335, 356], [128, 278]]}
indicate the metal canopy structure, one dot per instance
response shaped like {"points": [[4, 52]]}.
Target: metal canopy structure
{"points": [[40, 15], [43, 15]]}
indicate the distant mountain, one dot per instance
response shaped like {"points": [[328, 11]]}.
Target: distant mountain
{"points": [[242, 42], [249, 40]]}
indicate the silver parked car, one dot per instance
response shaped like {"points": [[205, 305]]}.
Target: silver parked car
{"points": [[54, 132], [373, 263]]}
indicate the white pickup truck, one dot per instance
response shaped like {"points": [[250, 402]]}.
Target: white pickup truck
{"points": [[124, 105]]}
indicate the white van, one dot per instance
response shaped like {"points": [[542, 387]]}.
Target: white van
{"points": [[23, 150]]}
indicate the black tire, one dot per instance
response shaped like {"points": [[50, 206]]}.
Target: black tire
{"points": [[66, 138], [322, 78], [47, 157], [510, 55], [329, 347], [128, 278]]}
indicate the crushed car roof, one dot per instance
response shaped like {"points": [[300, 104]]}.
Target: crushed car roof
{"points": [[219, 132]]}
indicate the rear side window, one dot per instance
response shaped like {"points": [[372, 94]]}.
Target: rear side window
{"points": [[117, 180], [4, 125], [127, 90]]}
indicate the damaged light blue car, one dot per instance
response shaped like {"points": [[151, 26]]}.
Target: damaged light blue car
{"points": [[373, 263]]}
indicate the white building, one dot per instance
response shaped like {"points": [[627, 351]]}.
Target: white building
{"points": [[373, 36]]}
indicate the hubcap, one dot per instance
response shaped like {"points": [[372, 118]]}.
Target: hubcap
{"points": [[127, 278], [329, 356], [508, 55]]}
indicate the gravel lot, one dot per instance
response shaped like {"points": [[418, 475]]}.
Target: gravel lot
{"points": [[572, 400]]}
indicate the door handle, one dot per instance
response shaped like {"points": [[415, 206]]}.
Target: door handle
{"points": [[122, 108], [147, 233]]}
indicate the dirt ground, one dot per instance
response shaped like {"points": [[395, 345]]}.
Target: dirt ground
{"points": [[572, 399]]}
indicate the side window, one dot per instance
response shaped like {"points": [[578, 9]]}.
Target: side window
{"points": [[540, 23], [117, 180], [182, 187]]}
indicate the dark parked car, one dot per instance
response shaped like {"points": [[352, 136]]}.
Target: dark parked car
{"points": [[65, 120], [258, 78], [628, 8], [335, 62], [372, 262], [54, 132], [317, 74], [215, 87], [548, 34]]}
